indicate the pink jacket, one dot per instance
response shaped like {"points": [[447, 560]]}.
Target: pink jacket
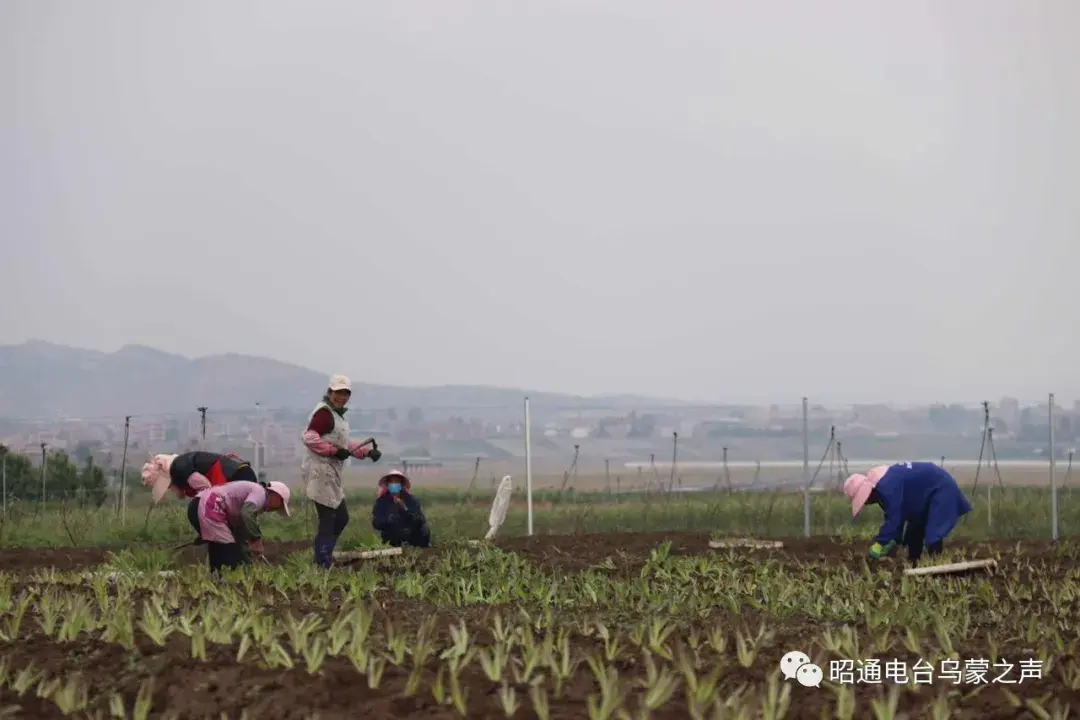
{"points": [[316, 442], [219, 507], [317, 445]]}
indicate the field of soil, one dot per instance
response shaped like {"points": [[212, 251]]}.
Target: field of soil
{"points": [[167, 680], [567, 553]]}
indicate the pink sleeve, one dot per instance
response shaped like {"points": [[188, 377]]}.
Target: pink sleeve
{"points": [[198, 482], [358, 452], [256, 497], [317, 445]]}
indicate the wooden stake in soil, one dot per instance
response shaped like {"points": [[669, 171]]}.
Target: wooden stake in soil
{"points": [[745, 543], [953, 568], [365, 554], [113, 576]]}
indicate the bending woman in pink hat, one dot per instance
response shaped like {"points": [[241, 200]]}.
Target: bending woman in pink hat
{"points": [[921, 501], [226, 518]]}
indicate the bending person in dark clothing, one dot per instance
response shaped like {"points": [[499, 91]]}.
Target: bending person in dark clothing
{"points": [[188, 474], [397, 514], [921, 501]]}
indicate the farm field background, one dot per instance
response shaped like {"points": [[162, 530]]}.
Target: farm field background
{"points": [[743, 475], [618, 608]]}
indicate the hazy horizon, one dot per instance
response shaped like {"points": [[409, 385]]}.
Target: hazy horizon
{"points": [[1061, 402], [718, 202]]}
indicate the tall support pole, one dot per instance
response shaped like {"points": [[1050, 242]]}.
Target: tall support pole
{"points": [[43, 463], [727, 473], [1053, 474], [674, 462], [257, 464], [806, 465], [528, 466], [990, 497], [123, 470]]}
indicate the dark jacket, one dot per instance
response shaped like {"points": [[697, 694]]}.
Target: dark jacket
{"points": [[925, 498], [218, 469], [397, 523]]}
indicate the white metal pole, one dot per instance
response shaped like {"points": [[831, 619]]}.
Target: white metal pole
{"points": [[806, 465], [5, 482], [1053, 475], [528, 466], [44, 473], [257, 436]]}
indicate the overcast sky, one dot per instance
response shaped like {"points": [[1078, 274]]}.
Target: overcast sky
{"points": [[744, 201]]}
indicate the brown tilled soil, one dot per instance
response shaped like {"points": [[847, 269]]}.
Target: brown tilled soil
{"points": [[583, 551], [20, 560], [220, 686]]}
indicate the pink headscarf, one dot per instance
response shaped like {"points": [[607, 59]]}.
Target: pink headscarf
{"points": [[858, 487], [155, 475]]}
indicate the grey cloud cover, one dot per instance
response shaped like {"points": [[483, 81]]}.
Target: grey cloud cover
{"points": [[711, 200]]}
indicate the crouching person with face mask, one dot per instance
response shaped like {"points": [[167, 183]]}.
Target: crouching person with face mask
{"points": [[397, 514], [226, 519]]}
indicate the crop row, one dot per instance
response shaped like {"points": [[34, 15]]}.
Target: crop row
{"points": [[688, 586], [700, 633], [531, 660]]}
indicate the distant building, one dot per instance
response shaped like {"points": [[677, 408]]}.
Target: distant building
{"points": [[611, 428], [422, 466], [718, 426], [1008, 409], [880, 417], [412, 435]]}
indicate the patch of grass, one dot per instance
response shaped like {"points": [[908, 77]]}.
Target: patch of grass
{"points": [[1018, 513], [140, 560]]}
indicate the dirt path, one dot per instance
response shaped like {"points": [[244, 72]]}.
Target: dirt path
{"points": [[566, 552]]}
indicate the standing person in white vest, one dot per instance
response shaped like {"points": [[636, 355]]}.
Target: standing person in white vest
{"points": [[328, 447]]}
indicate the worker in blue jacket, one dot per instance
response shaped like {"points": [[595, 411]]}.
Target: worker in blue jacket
{"points": [[397, 515], [921, 501]]}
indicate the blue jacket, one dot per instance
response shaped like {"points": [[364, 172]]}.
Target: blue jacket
{"points": [[923, 495], [388, 518]]}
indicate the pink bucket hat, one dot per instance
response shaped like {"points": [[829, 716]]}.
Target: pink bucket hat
{"points": [[858, 487], [384, 481]]}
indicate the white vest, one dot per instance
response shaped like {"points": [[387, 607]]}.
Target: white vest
{"points": [[322, 475]]}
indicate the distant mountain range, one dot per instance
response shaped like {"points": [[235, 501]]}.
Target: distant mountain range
{"points": [[42, 379]]}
